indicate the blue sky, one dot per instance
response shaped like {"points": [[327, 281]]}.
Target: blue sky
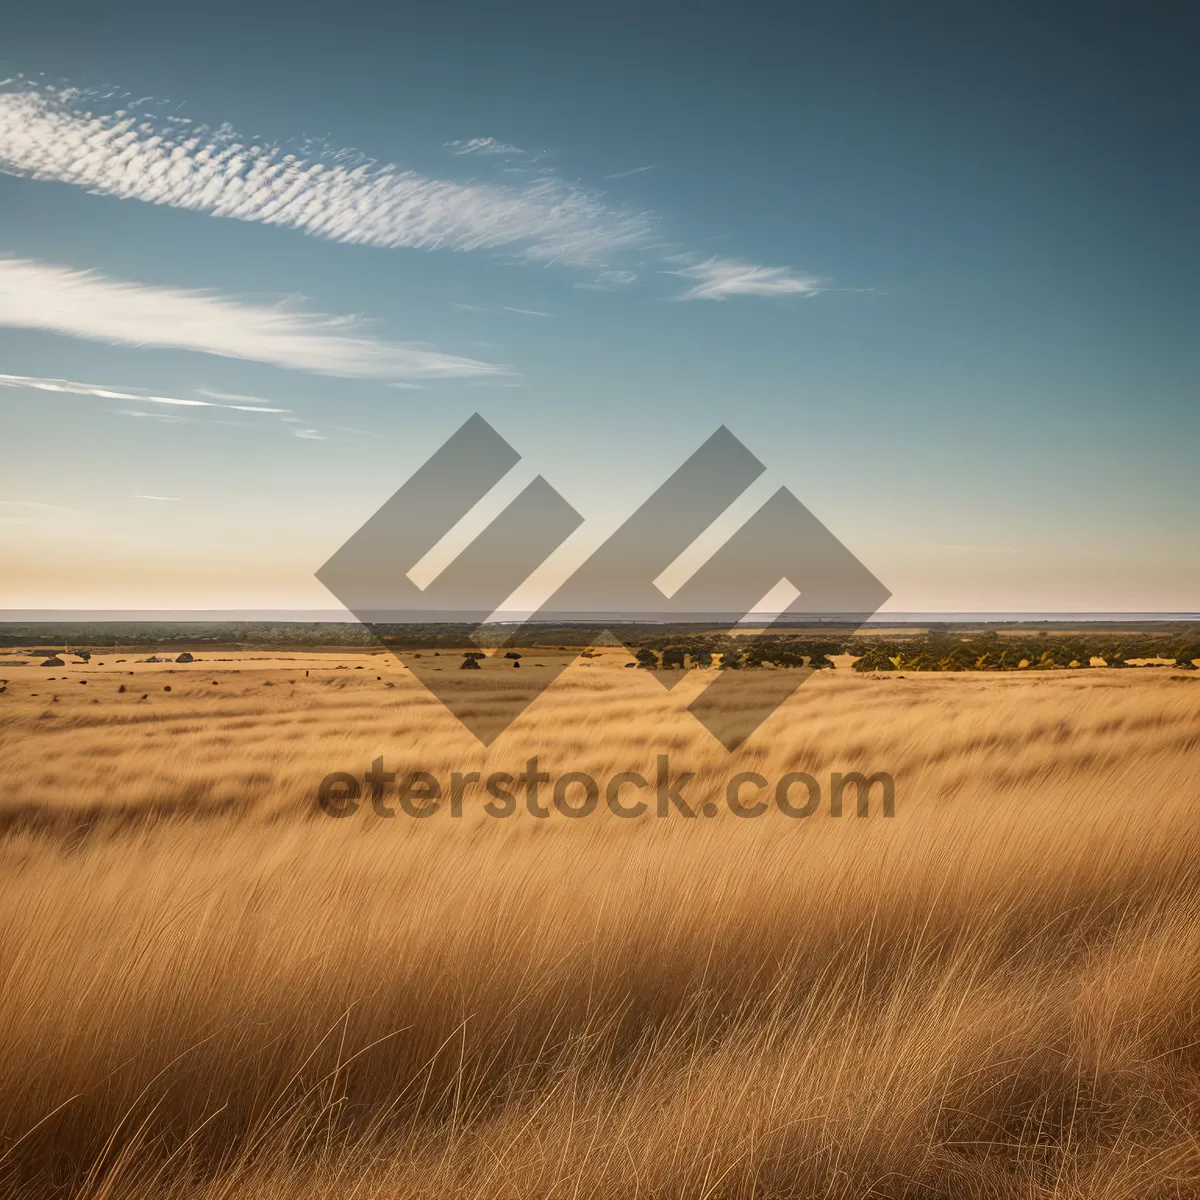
{"points": [[936, 268]]}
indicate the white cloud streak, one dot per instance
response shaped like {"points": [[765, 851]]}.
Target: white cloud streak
{"points": [[344, 196], [162, 409], [255, 402], [71, 388], [36, 295], [483, 145], [162, 418], [48, 133], [632, 171], [34, 512], [607, 281], [720, 278]]}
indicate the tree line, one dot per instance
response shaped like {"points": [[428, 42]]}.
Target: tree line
{"points": [[934, 651]]}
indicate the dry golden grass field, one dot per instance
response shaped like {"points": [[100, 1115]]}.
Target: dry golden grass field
{"points": [[209, 988]]}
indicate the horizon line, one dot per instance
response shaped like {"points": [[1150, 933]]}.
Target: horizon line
{"points": [[329, 616]]}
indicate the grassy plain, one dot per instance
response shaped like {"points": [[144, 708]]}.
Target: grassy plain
{"points": [[209, 989]]}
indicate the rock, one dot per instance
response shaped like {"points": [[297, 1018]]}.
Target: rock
{"points": [[470, 664], [54, 662], [185, 657]]}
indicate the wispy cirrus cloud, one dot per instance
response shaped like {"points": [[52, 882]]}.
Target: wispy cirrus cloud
{"points": [[37, 295], [65, 135], [607, 281], [503, 308], [47, 133], [483, 145], [34, 512], [720, 278], [71, 388], [632, 171], [236, 398], [164, 409]]}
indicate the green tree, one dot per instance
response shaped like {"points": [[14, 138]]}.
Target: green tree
{"points": [[874, 658], [674, 657], [1115, 655], [1185, 653], [958, 658]]}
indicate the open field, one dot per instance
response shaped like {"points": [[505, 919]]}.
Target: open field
{"points": [[211, 989]]}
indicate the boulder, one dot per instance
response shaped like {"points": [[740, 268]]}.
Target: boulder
{"points": [[185, 657], [54, 662]]}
